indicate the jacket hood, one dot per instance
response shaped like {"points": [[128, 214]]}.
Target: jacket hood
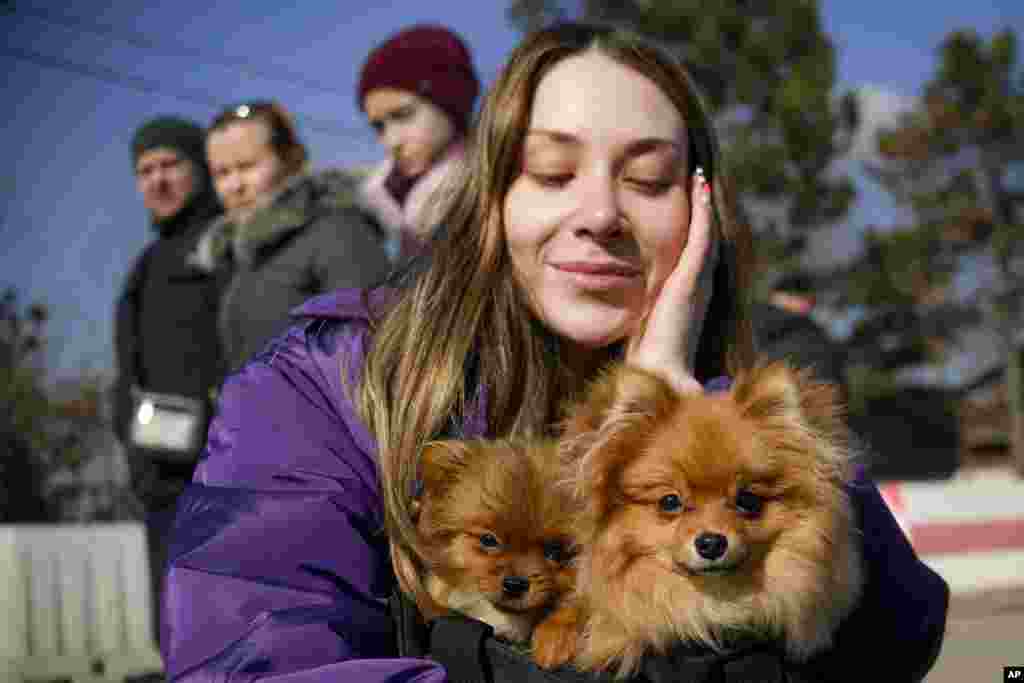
{"points": [[300, 199]]}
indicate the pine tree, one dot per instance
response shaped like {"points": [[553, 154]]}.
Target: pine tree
{"points": [[952, 160], [24, 411], [40, 433]]}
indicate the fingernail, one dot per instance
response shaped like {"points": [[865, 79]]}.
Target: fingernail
{"points": [[703, 186]]}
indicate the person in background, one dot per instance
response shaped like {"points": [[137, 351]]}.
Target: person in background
{"points": [[786, 330], [417, 90], [594, 222], [165, 335], [287, 233]]}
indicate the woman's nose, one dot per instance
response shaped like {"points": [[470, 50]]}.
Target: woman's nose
{"points": [[599, 211]]}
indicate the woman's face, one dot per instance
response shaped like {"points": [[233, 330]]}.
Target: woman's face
{"points": [[415, 131], [599, 213], [245, 168]]}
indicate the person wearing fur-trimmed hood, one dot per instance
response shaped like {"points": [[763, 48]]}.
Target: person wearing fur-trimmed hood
{"points": [[288, 233]]}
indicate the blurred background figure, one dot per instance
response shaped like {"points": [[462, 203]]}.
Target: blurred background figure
{"points": [[287, 233], [21, 496], [787, 330], [417, 90], [169, 360]]}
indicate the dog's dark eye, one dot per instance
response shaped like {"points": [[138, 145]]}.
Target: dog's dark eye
{"points": [[489, 541], [749, 502], [670, 503], [557, 551]]}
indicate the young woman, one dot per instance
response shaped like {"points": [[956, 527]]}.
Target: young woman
{"points": [[417, 90], [581, 232], [287, 234]]}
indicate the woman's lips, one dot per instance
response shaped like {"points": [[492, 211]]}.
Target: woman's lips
{"points": [[598, 275]]}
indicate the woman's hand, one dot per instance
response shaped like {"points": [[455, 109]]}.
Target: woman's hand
{"points": [[667, 340]]}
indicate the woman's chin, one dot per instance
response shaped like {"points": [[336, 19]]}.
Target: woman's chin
{"points": [[595, 332]]}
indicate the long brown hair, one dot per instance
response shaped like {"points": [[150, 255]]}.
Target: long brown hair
{"points": [[459, 308]]}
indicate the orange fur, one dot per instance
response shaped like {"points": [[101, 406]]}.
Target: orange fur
{"points": [[756, 474], [494, 514]]}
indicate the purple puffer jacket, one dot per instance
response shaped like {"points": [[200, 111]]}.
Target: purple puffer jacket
{"points": [[279, 570]]}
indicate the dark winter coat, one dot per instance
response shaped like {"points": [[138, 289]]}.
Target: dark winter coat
{"points": [[284, 527], [312, 239], [165, 339]]}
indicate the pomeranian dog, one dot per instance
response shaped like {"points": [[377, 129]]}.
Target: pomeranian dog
{"points": [[708, 518], [495, 522]]}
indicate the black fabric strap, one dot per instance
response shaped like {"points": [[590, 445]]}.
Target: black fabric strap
{"points": [[411, 633], [755, 667], [459, 644], [509, 665], [689, 664]]}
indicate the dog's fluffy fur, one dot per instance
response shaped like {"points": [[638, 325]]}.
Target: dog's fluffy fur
{"points": [[708, 518], [495, 521]]}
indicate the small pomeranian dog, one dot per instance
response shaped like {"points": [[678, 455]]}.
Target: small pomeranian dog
{"points": [[708, 518], [495, 521]]}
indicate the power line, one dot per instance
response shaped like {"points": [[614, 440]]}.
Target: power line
{"points": [[273, 72], [109, 75]]}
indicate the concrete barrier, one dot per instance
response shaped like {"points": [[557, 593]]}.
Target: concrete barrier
{"points": [[76, 603]]}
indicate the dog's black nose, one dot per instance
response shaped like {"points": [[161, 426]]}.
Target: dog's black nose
{"points": [[515, 585], [711, 546]]}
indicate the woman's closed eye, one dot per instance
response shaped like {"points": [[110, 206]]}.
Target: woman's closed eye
{"points": [[552, 180], [652, 187]]}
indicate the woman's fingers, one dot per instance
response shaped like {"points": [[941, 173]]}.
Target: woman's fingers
{"points": [[673, 311], [668, 340]]}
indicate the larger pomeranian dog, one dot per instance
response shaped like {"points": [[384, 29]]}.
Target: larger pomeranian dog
{"points": [[495, 521], [709, 518]]}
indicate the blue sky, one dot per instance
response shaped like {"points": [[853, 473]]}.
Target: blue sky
{"points": [[71, 220]]}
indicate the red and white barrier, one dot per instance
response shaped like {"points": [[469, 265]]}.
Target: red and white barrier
{"points": [[969, 528]]}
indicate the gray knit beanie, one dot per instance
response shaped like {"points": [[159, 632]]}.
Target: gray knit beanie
{"points": [[181, 135]]}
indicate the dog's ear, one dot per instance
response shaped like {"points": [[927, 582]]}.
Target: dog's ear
{"points": [[615, 417], [441, 462], [620, 395], [778, 390], [769, 392], [777, 393]]}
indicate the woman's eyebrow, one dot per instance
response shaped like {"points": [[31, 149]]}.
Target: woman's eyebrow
{"points": [[645, 145], [556, 136], [634, 148]]}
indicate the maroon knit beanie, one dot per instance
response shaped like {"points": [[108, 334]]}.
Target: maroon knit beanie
{"points": [[430, 61]]}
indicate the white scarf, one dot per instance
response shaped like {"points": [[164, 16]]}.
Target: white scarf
{"points": [[408, 226]]}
